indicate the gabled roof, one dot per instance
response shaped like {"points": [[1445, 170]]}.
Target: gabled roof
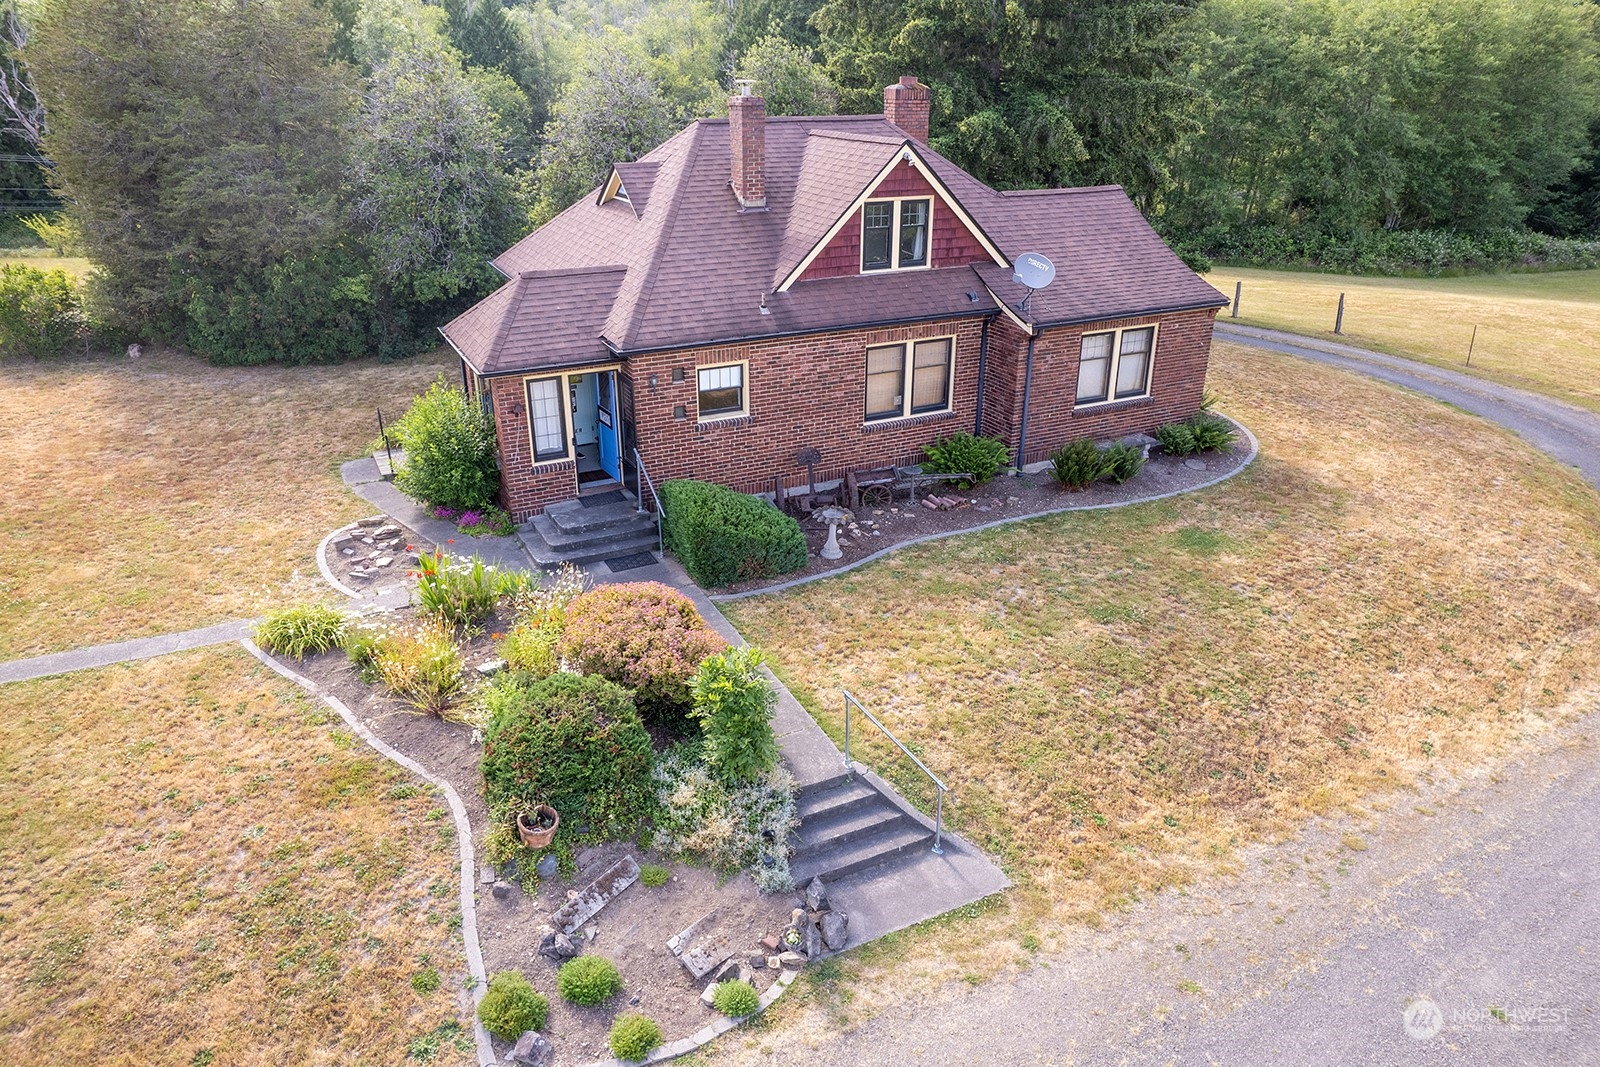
{"points": [[686, 266], [548, 318], [631, 183]]}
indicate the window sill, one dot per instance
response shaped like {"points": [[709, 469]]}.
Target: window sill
{"points": [[908, 420], [742, 419], [1110, 405], [551, 466]]}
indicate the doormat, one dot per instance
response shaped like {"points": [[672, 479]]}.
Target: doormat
{"points": [[595, 475], [631, 561], [600, 500]]}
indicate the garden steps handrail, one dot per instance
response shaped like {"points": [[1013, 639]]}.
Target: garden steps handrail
{"points": [[938, 811], [644, 475]]}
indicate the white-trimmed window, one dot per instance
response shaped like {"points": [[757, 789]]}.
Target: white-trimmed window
{"points": [[909, 379], [895, 234], [1115, 365], [721, 392], [547, 415]]}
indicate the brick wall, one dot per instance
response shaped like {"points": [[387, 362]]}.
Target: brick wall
{"points": [[525, 489], [1177, 380], [804, 391], [953, 244]]}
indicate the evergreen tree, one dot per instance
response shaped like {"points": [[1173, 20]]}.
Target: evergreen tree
{"points": [[787, 78]]}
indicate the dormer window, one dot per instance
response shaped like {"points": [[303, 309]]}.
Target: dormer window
{"points": [[894, 234], [621, 194]]}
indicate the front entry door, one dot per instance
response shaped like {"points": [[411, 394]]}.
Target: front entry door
{"points": [[610, 424]]}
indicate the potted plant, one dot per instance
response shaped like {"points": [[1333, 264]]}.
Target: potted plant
{"points": [[538, 829]]}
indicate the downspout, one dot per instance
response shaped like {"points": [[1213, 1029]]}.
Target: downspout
{"points": [[1027, 390], [983, 366]]}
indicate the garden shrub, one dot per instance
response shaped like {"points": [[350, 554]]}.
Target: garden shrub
{"points": [[1211, 432], [1078, 465], [511, 1006], [734, 704], [1176, 438], [729, 827], [421, 665], [634, 1036], [462, 592], [573, 742], [360, 643], [722, 537], [736, 999], [1123, 461], [41, 311], [450, 449], [654, 876], [320, 308], [982, 457], [643, 635], [545, 601], [588, 980], [301, 630], [531, 649]]}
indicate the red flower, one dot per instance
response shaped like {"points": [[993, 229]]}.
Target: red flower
{"points": [[451, 541]]}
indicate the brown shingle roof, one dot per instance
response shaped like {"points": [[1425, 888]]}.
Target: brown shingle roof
{"points": [[548, 318], [693, 268]]}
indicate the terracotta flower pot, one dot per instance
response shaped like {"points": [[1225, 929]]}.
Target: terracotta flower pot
{"points": [[535, 836]]}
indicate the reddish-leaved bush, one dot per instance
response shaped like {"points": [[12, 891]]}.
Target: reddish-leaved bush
{"points": [[642, 635]]}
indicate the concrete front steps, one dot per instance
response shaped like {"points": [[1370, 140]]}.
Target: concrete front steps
{"points": [[572, 532], [847, 826]]}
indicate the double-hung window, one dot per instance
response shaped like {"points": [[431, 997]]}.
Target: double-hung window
{"points": [[894, 234], [547, 415], [1115, 365], [909, 379], [721, 392]]}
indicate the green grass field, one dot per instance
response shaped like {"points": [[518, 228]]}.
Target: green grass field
{"points": [[1534, 331]]}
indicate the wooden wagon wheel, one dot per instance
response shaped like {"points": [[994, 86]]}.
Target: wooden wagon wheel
{"points": [[876, 496]]}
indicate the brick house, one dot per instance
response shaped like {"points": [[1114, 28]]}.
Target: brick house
{"points": [[758, 286]]}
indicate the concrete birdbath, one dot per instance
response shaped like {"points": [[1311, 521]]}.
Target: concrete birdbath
{"points": [[833, 517]]}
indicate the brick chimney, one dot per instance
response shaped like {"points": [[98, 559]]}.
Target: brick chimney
{"points": [[907, 105], [747, 141]]}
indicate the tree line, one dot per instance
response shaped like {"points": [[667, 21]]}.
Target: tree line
{"points": [[308, 180]]}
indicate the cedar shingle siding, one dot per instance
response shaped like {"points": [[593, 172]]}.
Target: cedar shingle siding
{"points": [[682, 275]]}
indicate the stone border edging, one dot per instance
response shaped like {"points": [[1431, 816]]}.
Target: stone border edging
{"points": [[322, 561], [469, 914], [709, 1032], [1255, 450]]}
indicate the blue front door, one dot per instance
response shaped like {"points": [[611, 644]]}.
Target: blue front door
{"points": [[610, 424]]}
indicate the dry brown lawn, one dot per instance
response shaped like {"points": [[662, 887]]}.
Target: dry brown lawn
{"points": [[154, 495], [1116, 699], [200, 865]]}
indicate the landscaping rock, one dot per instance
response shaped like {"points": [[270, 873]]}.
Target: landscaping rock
{"points": [[792, 960], [347, 551], [501, 890], [384, 561], [533, 1050], [491, 667], [708, 996], [557, 946], [812, 945], [360, 575], [486, 874], [773, 963], [770, 942], [371, 521], [758, 960], [1195, 464], [385, 532], [547, 866], [702, 947], [835, 930], [596, 895], [816, 896]]}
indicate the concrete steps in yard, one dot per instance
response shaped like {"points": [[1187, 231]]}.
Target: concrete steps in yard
{"points": [[848, 826], [572, 532]]}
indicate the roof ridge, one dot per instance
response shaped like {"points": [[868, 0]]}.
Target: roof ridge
{"points": [[521, 283], [1060, 191], [567, 272], [670, 225], [868, 138]]}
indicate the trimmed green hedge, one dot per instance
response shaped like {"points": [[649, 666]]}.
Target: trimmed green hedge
{"points": [[722, 537]]}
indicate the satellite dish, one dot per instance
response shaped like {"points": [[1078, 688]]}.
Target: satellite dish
{"points": [[1034, 270]]}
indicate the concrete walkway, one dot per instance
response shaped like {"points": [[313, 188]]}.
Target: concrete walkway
{"points": [[1564, 431], [78, 659]]}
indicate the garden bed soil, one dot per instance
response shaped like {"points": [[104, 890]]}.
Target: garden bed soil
{"points": [[876, 529], [632, 929]]}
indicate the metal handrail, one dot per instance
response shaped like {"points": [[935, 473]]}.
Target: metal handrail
{"points": [[638, 461], [938, 811]]}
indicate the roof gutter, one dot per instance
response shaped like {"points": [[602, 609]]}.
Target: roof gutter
{"points": [[458, 351], [1083, 321]]}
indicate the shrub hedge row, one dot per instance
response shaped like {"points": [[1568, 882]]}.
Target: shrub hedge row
{"points": [[722, 537]]}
